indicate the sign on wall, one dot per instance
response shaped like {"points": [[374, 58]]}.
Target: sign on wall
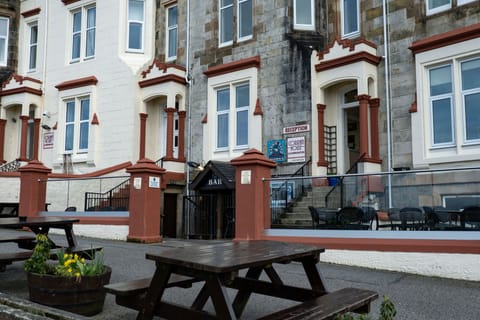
{"points": [[296, 149], [276, 150], [48, 139]]}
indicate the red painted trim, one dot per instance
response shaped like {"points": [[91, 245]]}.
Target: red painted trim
{"points": [[162, 79], [345, 43], [413, 106], [350, 59], [37, 92], [103, 220], [258, 109], [95, 119], [446, 39], [253, 62], [397, 245], [162, 66], [31, 13], [77, 83], [67, 2], [205, 119], [97, 173]]}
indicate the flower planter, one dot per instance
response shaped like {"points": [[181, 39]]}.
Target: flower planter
{"points": [[85, 297]]}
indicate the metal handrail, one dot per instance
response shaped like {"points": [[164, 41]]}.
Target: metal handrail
{"points": [[97, 200]]}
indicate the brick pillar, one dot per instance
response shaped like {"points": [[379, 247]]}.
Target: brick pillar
{"points": [[3, 122], [252, 194], [33, 188], [170, 112], [145, 201], [23, 138], [363, 99], [143, 130], [321, 135], [181, 135], [374, 104]]}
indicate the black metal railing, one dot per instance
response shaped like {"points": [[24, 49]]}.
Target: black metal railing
{"points": [[284, 193], [10, 166], [115, 199], [338, 187]]}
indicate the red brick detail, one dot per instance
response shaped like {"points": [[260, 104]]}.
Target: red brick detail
{"points": [[77, 83], [253, 62], [162, 79], [205, 119], [161, 66], [67, 2], [345, 43], [95, 120], [349, 59], [413, 106], [258, 109], [31, 13]]}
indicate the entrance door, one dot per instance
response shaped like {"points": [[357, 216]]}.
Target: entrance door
{"points": [[170, 215], [351, 136]]}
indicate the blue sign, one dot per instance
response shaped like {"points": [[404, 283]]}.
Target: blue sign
{"points": [[277, 150]]}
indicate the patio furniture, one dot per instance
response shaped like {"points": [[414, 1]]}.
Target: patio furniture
{"points": [[470, 218]]}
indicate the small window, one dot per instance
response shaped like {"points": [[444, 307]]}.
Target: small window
{"points": [[435, 6], [3, 40], [77, 122], [223, 109], [172, 32], [136, 20], [350, 18], [90, 32], [441, 96], [226, 22], [304, 15], [83, 33], [245, 23], [32, 47]]}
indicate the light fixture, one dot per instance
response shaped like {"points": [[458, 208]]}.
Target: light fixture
{"points": [[46, 127], [195, 165], [46, 114]]}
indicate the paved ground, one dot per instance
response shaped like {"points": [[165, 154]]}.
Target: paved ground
{"points": [[415, 297]]}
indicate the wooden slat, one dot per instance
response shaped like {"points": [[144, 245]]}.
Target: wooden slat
{"points": [[21, 238], [328, 306], [135, 287]]}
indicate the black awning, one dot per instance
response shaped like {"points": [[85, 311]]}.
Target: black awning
{"points": [[216, 175]]}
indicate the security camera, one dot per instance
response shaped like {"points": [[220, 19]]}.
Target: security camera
{"points": [[46, 114]]}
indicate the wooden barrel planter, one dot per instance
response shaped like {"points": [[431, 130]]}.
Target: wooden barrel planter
{"points": [[85, 297]]}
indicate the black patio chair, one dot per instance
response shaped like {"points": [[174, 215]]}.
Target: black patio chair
{"points": [[323, 218], [370, 216], [412, 218], [470, 218], [351, 218]]}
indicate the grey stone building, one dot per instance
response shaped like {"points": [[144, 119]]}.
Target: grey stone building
{"points": [[9, 12]]}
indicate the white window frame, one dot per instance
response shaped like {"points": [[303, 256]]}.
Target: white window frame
{"points": [[76, 123], [83, 33], [142, 24], [221, 11], [240, 21], [463, 93], [167, 34], [32, 47], [438, 9], [4, 37], [356, 32], [300, 26], [462, 2]]}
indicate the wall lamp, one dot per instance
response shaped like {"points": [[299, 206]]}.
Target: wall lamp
{"points": [[195, 165], [46, 127]]}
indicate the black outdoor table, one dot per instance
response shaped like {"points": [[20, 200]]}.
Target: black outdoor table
{"points": [[218, 266]]}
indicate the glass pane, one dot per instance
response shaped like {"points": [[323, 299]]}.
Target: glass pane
{"points": [[91, 16], [472, 116], [222, 131], [2, 50], [223, 99], [226, 25], [69, 137], [76, 46], [242, 128], [70, 112], [226, 3], [246, 18], [3, 27], [303, 12], [135, 36], [470, 74], [440, 81], [32, 64], [33, 34], [172, 16], [442, 121], [350, 16], [172, 42], [90, 44], [85, 109], [242, 96], [83, 143], [135, 10], [77, 22], [432, 4]]}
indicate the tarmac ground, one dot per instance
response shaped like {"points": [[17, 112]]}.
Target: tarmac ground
{"points": [[415, 297]]}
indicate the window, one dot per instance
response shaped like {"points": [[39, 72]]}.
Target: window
{"points": [[434, 6], [304, 18], [172, 32], [136, 20], [3, 40], [471, 99], [227, 21], [83, 33], [441, 95], [233, 116], [77, 119], [32, 47], [460, 2], [350, 18]]}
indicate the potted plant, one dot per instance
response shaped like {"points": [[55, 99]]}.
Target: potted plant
{"points": [[71, 283]]}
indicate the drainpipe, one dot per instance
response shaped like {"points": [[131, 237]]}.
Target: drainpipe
{"points": [[387, 98], [44, 75], [189, 116]]}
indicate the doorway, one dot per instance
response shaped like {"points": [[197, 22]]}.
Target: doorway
{"points": [[351, 136], [169, 221]]}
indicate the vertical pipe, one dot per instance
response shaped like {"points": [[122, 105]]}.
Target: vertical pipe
{"points": [[189, 126]]}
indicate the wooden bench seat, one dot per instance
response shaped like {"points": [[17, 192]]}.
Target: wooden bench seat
{"points": [[15, 238], [328, 306], [139, 286]]}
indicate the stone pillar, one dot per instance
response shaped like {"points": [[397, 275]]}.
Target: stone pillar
{"points": [[145, 201], [143, 132], [3, 122], [170, 112], [33, 188], [374, 104], [23, 138], [181, 135], [252, 194], [363, 99], [321, 135]]}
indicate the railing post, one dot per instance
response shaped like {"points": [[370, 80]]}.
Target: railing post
{"points": [[252, 198]]}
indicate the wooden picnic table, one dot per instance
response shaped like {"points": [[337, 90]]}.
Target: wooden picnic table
{"points": [[218, 267], [38, 225]]}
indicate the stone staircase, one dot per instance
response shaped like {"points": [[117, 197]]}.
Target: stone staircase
{"points": [[298, 215]]}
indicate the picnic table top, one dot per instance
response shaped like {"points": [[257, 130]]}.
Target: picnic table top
{"points": [[18, 222], [234, 255]]}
